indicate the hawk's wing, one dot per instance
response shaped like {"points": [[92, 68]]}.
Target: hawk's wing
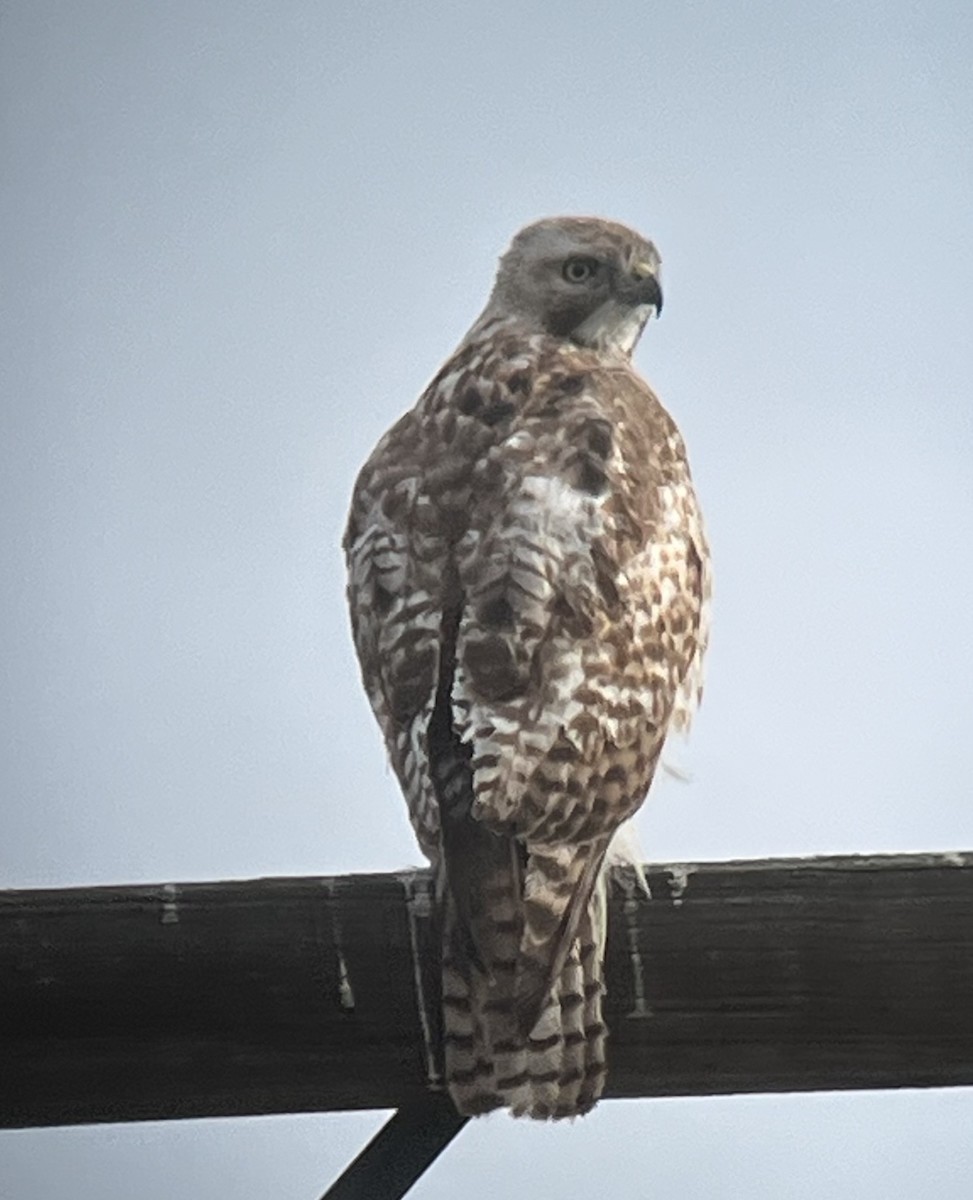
{"points": [[584, 594], [528, 596], [395, 601], [528, 584]]}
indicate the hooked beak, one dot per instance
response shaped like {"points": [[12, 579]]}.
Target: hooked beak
{"points": [[645, 287], [617, 324]]}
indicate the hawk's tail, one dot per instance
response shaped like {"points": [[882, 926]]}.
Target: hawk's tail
{"points": [[510, 1041]]}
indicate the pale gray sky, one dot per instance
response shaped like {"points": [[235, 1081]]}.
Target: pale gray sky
{"points": [[238, 238]]}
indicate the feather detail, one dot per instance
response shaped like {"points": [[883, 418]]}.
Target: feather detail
{"points": [[529, 588], [552, 1070]]}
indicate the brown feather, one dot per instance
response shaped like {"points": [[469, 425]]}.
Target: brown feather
{"points": [[529, 589]]}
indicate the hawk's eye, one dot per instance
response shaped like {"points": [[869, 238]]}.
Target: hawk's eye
{"points": [[578, 270]]}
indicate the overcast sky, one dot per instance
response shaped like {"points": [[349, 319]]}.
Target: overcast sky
{"points": [[238, 238]]}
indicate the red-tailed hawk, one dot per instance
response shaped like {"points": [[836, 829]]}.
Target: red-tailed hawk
{"points": [[529, 592]]}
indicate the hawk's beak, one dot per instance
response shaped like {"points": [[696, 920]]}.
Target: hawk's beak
{"points": [[647, 289], [618, 322]]}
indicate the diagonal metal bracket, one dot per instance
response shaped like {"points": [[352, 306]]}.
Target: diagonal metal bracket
{"points": [[409, 1142]]}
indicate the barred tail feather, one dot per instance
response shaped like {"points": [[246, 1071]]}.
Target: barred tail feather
{"points": [[592, 952], [556, 1067]]}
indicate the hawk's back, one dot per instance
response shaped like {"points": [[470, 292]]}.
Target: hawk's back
{"points": [[528, 582]]}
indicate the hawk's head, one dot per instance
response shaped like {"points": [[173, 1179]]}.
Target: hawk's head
{"points": [[594, 282]]}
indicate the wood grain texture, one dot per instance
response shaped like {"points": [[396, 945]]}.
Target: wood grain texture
{"points": [[297, 995]]}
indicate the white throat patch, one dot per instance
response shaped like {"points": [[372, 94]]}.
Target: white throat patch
{"points": [[613, 326]]}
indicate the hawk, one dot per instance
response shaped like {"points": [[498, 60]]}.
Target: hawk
{"points": [[529, 591]]}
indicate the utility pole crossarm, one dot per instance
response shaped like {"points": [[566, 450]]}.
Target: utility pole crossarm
{"points": [[298, 995]]}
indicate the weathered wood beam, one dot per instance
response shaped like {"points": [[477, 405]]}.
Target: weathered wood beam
{"points": [[296, 995]]}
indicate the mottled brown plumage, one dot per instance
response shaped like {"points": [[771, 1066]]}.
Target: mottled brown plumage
{"points": [[529, 588]]}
